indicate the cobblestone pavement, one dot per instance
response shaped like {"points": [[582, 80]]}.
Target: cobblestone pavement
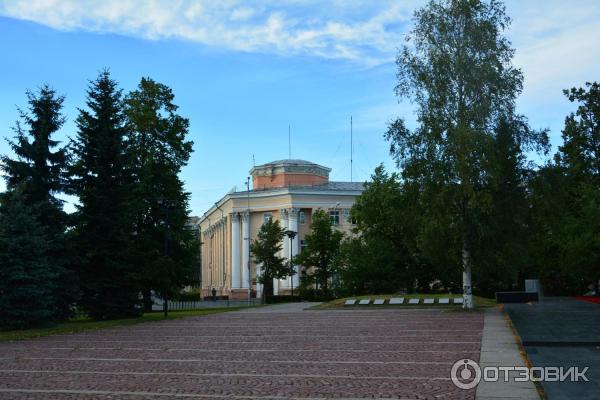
{"points": [[309, 354]]}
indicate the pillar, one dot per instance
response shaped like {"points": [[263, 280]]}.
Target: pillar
{"points": [[236, 282], [245, 249]]}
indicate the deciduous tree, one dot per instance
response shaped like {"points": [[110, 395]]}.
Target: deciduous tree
{"points": [[321, 256], [265, 250], [458, 71]]}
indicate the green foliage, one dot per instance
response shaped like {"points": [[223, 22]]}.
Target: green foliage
{"points": [[321, 258], [102, 178], [264, 251], [166, 249], [580, 153], [566, 202], [34, 178], [502, 256], [379, 260], [459, 73], [28, 283], [193, 295]]}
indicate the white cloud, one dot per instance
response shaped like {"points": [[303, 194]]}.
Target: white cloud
{"points": [[365, 32], [556, 40], [557, 44]]}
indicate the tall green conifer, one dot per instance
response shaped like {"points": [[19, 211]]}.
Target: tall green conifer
{"points": [[103, 181], [34, 178], [166, 248]]}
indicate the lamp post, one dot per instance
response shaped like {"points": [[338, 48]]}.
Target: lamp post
{"points": [[291, 234], [248, 238], [167, 204]]}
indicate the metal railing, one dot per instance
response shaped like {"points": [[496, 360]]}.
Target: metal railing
{"points": [[198, 305]]}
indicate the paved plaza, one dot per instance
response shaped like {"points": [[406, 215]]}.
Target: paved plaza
{"points": [[272, 353]]}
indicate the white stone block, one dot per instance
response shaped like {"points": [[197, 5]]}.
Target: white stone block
{"points": [[364, 302], [396, 300], [414, 301], [458, 300], [443, 301], [428, 301], [378, 302], [350, 302]]}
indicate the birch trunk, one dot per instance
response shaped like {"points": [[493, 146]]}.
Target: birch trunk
{"points": [[467, 287]]}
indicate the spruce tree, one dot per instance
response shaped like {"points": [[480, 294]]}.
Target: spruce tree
{"points": [[166, 248], [578, 159], [27, 278], [102, 178], [38, 174]]}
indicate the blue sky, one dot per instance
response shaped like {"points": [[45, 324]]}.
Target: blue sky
{"points": [[242, 71]]}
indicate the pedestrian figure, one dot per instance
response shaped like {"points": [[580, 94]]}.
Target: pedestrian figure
{"points": [[214, 294]]}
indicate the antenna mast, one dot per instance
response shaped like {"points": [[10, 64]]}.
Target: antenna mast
{"points": [[289, 142], [351, 148]]}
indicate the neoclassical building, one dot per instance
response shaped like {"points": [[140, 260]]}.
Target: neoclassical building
{"points": [[286, 190]]}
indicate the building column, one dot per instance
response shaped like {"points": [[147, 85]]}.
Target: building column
{"points": [[293, 226], [245, 249], [235, 251]]}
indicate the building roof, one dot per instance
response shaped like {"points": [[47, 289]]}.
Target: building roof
{"points": [[289, 161], [290, 165]]}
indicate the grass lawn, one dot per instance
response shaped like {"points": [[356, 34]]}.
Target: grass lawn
{"points": [[339, 303], [87, 324]]}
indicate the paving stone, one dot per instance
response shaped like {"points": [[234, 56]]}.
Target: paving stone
{"points": [[334, 354]]}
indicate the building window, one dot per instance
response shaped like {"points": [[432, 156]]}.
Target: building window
{"points": [[302, 245], [334, 217], [267, 217], [302, 217]]}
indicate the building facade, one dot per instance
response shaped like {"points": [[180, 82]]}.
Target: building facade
{"points": [[289, 191]]}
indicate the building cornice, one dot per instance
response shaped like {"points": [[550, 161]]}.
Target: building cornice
{"points": [[277, 192]]}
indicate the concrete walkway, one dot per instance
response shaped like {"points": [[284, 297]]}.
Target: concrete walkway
{"points": [[278, 308], [499, 348]]}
